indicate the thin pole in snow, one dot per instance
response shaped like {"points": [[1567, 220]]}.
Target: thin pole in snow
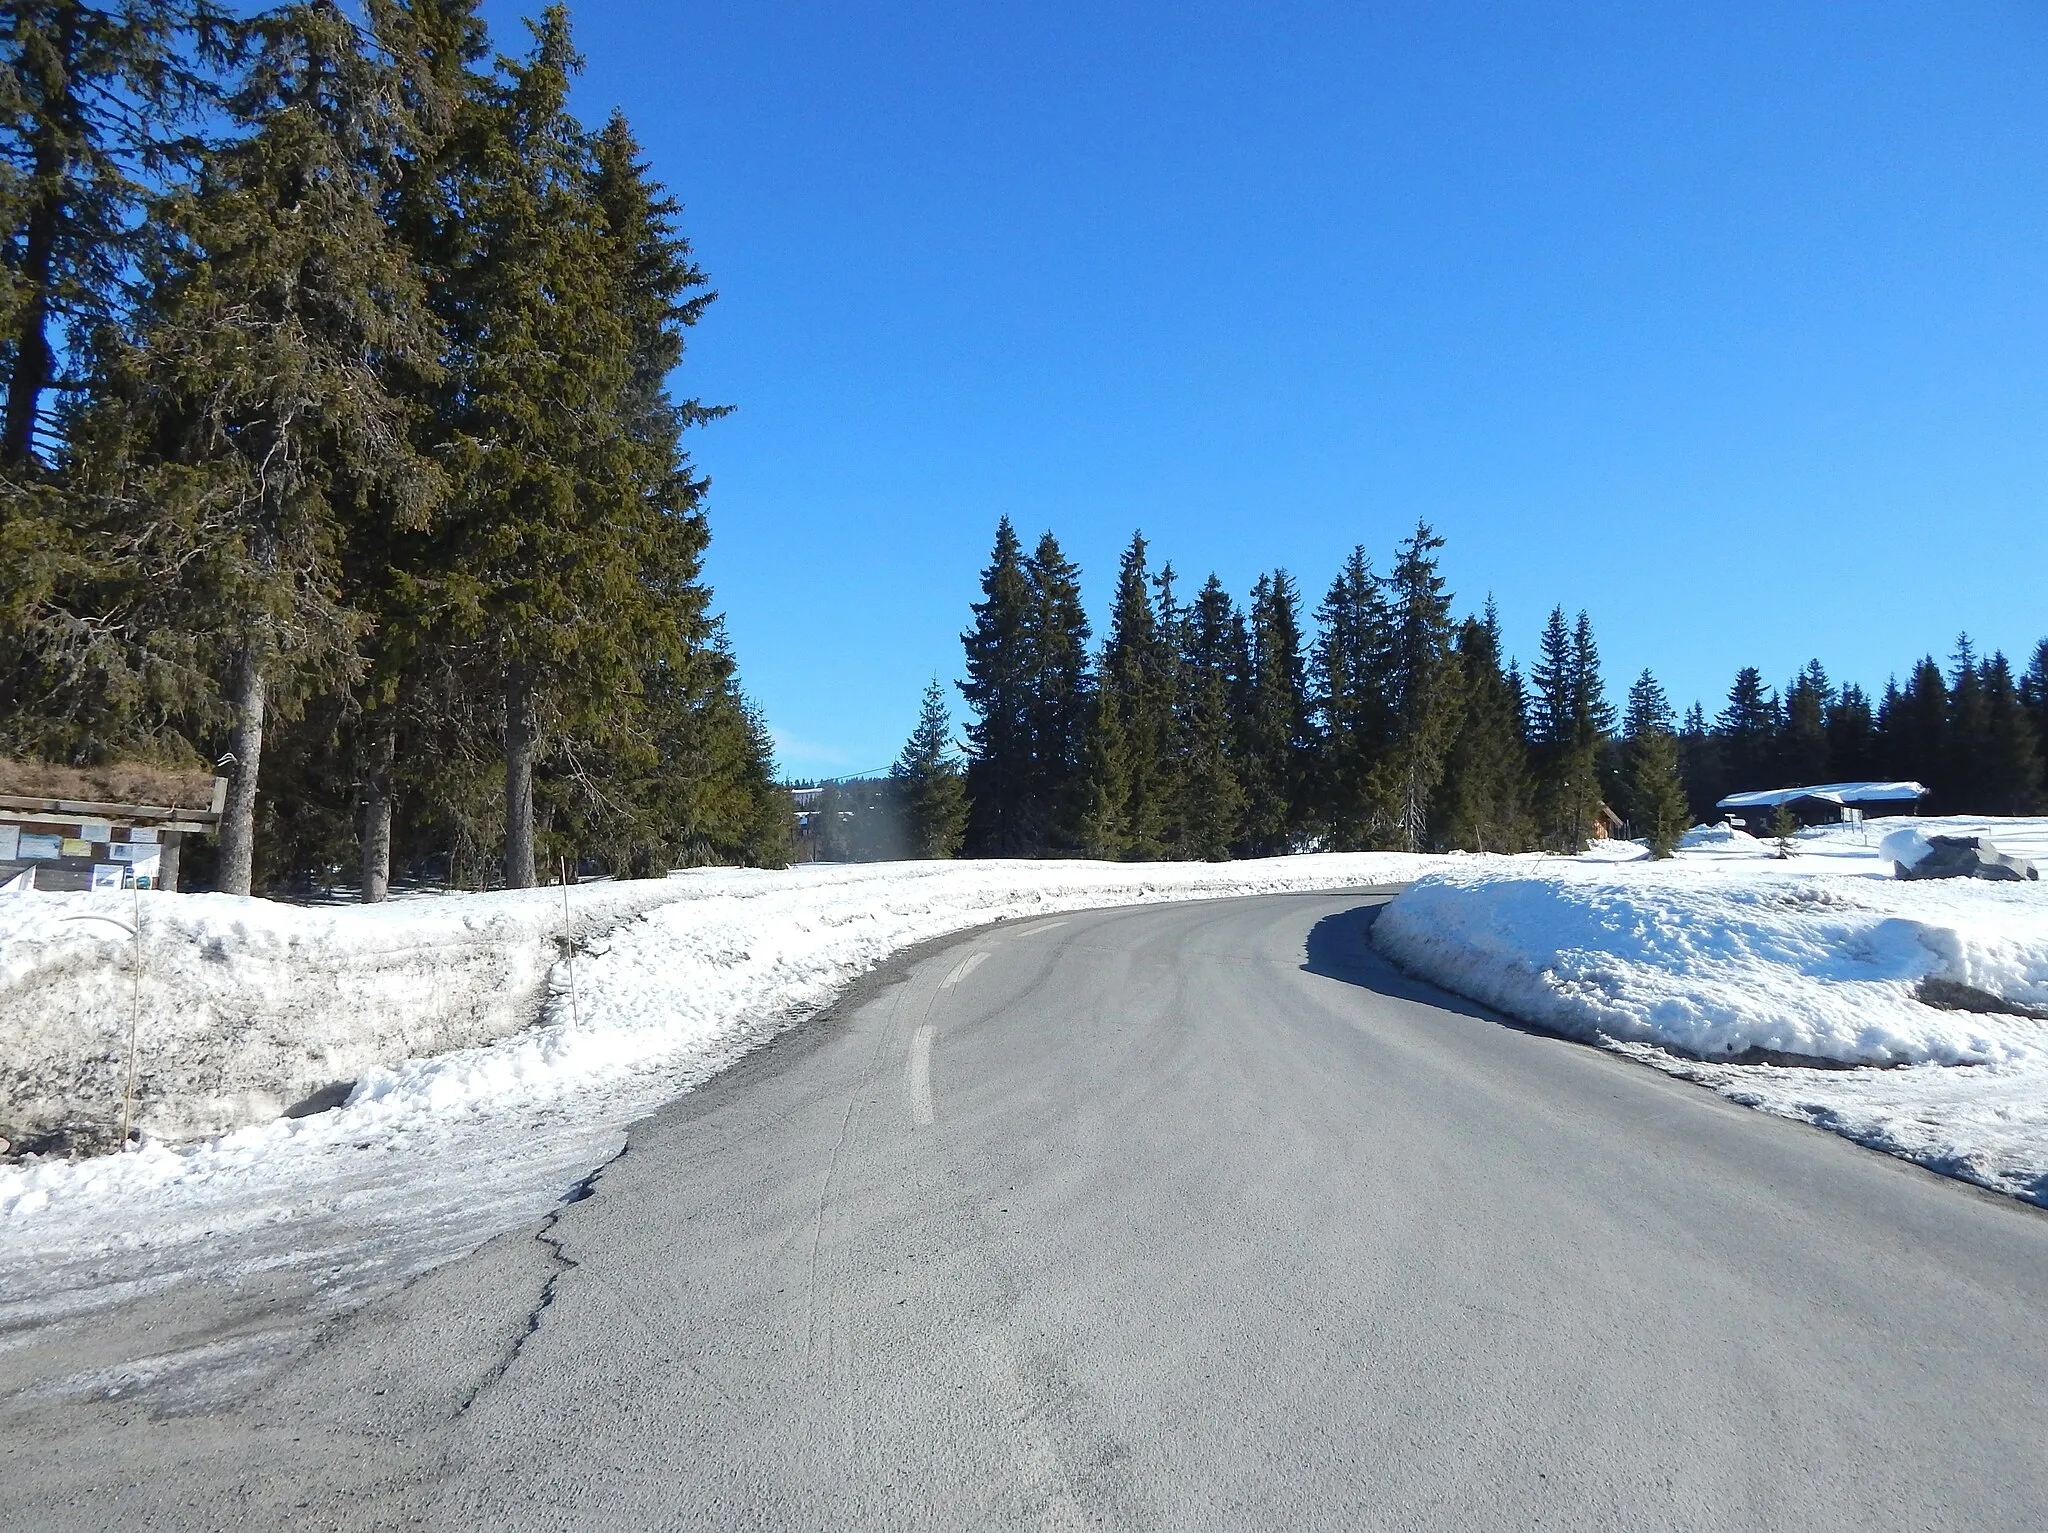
{"points": [[569, 946], [134, 1025]]}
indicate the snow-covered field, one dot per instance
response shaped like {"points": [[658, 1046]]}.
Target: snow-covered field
{"points": [[1765, 978], [246, 1004]]}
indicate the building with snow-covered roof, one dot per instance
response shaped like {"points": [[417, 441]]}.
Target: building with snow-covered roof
{"points": [[1822, 803]]}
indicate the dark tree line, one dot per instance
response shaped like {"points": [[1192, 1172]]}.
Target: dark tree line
{"points": [[1199, 728], [338, 445], [1975, 735]]}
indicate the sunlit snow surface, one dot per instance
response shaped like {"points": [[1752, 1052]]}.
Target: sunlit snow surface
{"points": [[432, 1156], [287, 1222], [1729, 953]]}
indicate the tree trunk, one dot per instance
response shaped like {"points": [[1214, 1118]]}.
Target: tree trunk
{"points": [[245, 751], [381, 751], [33, 359], [519, 740]]}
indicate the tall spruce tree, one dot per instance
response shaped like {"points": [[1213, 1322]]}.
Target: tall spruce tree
{"points": [[1747, 732], [1353, 639], [1421, 684], [1277, 740], [627, 784], [1913, 729], [1803, 754], [1571, 725], [1964, 782], [1654, 796], [998, 694], [1130, 724], [2011, 771], [933, 792], [1483, 803], [388, 574], [556, 517], [1056, 710], [251, 423], [1211, 798]]}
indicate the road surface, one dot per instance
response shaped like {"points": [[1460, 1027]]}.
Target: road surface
{"points": [[1175, 1217]]}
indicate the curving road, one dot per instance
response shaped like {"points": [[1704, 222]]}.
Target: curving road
{"points": [[1181, 1217]]}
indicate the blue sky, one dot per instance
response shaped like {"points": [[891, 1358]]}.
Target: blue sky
{"points": [[1728, 323]]}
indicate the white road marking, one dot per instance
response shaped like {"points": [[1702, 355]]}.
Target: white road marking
{"points": [[921, 1075], [1042, 927], [961, 970]]}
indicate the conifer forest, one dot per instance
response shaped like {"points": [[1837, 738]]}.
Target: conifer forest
{"points": [[339, 450], [1203, 728]]}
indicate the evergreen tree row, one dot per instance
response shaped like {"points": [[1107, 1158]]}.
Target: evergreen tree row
{"points": [[1975, 735], [338, 446], [1204, 729]]}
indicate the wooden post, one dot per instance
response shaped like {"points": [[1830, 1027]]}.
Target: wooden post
{"points": [[569, 947]]}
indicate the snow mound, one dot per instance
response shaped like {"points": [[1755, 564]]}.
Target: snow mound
{"points": [[1719, 838], [1720, 968]]}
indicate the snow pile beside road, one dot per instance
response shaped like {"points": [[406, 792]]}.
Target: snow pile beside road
{"points": [[246, 1007], [1821, 967], [1729, 972]]}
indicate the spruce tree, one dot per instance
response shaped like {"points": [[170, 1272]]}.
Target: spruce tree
{"points": [[1352, 644], [683, 667], [1803, 755], [253, 417], [1851, 736], [1964, 783], [1747, 732], [1277, 740], [998, 694], [1421, 685], [1483, 803], [1571, 726], [1211, 798], [1056, 710], [1654, 795], [556, 518], [933, 794], [1131, 724], [96, 116], [2011, 768], [1913, 729], [1700, 765]]}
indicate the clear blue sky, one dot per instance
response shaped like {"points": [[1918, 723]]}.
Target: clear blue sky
{"points": [[1728, 323]]}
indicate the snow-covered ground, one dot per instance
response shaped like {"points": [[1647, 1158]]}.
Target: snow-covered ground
{"points": [[1798, 986], [246, 1003], [482, 1092]]}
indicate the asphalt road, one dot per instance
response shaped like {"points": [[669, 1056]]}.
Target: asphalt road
{"points": [[1181, 1218]]}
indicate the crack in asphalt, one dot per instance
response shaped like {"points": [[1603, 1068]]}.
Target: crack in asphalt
{"points": [[584, 1188]]}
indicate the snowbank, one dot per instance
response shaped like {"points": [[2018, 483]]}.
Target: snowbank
{"points": [[245, 1007], [1727, 968], [1717, 967]]}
